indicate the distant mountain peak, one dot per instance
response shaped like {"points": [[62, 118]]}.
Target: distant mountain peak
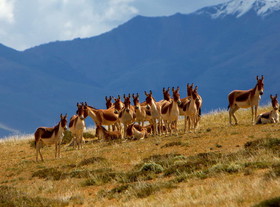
{"points": [[241, 7]]}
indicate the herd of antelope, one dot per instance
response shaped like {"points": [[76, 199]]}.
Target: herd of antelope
{"points": [[121, 117]]}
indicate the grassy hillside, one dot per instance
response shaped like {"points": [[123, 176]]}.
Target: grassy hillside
{"points": [[219, 165]]}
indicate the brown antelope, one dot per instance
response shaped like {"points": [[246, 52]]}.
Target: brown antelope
{"points": [[155, 109], [127, 114], [104, 134], [188, 108], [50, 136], [118, 105], [109, 102], [77, 125], [170, 111], [272, 116], [199, 98], [245, 99], [141, 112], [103, 116], [136, 131], [166, 95]]}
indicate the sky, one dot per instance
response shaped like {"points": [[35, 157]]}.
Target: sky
{"points": [[28, 23]]}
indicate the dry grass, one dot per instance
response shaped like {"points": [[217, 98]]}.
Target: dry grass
{"points": [[218, 165]]}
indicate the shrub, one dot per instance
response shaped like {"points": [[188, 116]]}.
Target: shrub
{"points": [[272, 144], [9, 196], [50, 174], [151, 167], [91, 160], [274, 202]]}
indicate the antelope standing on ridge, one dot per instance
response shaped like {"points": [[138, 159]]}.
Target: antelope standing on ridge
{"points": [[245, 99], [141, 112], [77, 125], [155, 109], [170, 111], [110, 104], [272, 116], [127, 114], [50, 136], [103, 116], [189, 109]]}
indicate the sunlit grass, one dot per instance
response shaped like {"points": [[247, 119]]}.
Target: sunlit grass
{"points": [[216, 165]]}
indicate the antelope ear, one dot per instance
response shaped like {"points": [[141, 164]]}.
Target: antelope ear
{"points": [[133, 95], [163, 90], [262, 77], [85, 103], [276, 96], [129, 95], [151, 92], [178, 88], [271, 97], [257, 77], [168, 89], [145, 93], [60, 116], [77, 104], [105, 98], [119, 97], [172, 89], [66, 115]]}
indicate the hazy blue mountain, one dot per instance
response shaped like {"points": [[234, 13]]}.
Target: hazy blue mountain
{"points": [[218, 53]]}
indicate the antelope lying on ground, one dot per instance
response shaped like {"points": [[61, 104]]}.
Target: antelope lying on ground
{"points": [[170, 111], [272, 116], [50, 136], [245, 99], [136, 131], [106, 135], [127, 114], [77, 125]]}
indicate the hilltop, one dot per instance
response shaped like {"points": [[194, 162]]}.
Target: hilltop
{"points": [[219, 165]]}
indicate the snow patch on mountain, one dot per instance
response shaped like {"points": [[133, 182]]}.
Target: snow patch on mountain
{"points": [[241, 7]]}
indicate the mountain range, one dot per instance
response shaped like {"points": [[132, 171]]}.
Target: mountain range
{"points": [[218, 48]]}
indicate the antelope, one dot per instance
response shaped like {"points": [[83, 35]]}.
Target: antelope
{"points": [[272, 116], [77, 125], [188, 108], [102, 116], [170, 111], [106, 135], [127, 114], [49, 136], [155, 109], [109, 102], [166, 95], [245, 99], [141, 112], [136, 131]]}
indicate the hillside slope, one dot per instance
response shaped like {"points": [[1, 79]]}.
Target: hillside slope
{"points": [[219, 165]]}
